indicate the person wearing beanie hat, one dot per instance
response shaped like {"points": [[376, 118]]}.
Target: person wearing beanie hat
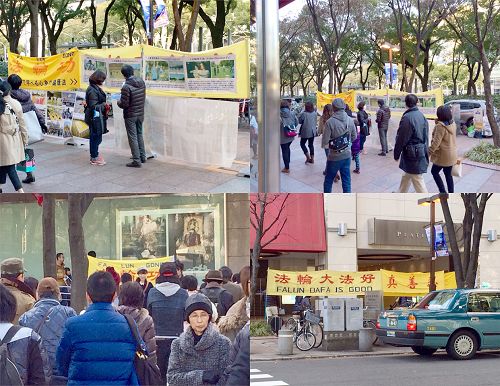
{"points": [[48, 318], [339, 133], [201, 354], [165, 303]]}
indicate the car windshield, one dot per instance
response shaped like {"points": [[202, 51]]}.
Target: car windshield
{"points": [[436, 301]]}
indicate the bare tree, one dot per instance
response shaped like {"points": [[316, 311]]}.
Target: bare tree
{"points": [[49, 235], [466, 263], [259, 211], [77, 207]]}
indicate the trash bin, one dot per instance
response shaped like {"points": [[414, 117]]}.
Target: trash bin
{"points": [[285, 342], [365, 339]]}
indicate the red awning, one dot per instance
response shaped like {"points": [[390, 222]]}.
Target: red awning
{"points": [[304, 229], [282, 3]]}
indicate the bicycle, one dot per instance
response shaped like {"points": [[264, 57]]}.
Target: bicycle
{"points": [[303, 329]]}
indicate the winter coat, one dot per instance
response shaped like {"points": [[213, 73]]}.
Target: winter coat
{"points": [[337, 125], [363, 117], [133, 97], [97, 348], [145, 288], [235, 319], [145, 325], [24, 98], [27, 353], [188, 362], [24, 296], [234, 289], [239, 369], [48, 318], [383, 117], [356, 145], [219, 296], [13, 136], [287, 118], [166, 303], [443, 149], [95, 98], [308, 122], [412, 141]]}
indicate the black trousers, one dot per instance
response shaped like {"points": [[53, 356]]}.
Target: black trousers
{"points": [[435, 170], [162, 355], [285, 152], [310, 144]]}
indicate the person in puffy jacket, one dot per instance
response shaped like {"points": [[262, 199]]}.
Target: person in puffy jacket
{"points": [[23, 344], [239, 358], [98, 348], [200, 355], [24, 98], [133, 98], [383, 117], [443, 149], [13, 137], [287, 118], [131, 303], [48, 318]]}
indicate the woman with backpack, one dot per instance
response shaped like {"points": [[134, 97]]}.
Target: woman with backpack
{"points": [[288, 124], [308, 131], [13, 137]]}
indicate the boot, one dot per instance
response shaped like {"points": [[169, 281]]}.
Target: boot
{"points": [[311, 160], [308, 158], [285, 170], [134, 164], [29, 178]]}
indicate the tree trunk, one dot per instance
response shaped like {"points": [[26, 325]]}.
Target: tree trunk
{"points": [[488, 96], [44, 40], [49, 236], [330, 80], [34, 14]]}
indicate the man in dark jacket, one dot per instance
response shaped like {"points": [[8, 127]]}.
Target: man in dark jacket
{"points": [[234, 289], [383, 117], [222, 298], [133, 97], [23, 344], [239, 370], [98, 347], [166, 302], [412, 142]]}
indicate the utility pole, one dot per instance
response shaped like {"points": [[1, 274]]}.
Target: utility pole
{"points": [[151, 23]]}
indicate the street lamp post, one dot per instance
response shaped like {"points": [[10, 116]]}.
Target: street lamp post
{"points": [[432, 202], [390, 47]]}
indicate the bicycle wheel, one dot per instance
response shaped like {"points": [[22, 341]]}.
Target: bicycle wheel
{"points": [[317, 330], [305, 340], [291, 324]]}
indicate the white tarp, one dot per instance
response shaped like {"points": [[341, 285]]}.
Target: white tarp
{"points": [[196, 131]]}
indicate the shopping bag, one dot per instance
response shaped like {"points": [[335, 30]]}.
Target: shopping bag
{"points": [[33, 127], [29, 164], [456, 170]]}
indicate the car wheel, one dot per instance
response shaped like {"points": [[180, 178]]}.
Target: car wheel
{"points": [[424, 351], [462, 345]]}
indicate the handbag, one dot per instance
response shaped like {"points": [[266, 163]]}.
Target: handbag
{"points": [[29, 164], [456, 170], [147, 371]]}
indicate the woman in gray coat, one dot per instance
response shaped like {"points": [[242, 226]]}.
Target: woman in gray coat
{"points": [[308, 119], [200, 355], [287, 120]]}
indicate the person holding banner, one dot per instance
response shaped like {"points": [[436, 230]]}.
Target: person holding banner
{"points": [[96, 115], [13, 137]]}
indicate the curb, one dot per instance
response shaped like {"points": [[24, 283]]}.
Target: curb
{"points": [[332, 356]]}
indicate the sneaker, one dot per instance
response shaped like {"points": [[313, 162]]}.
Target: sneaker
{"points": [[134, 164], [100, 161], [382, 153], [93, 161]]}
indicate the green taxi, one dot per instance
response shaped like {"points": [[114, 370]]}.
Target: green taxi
{"points": [[462, 321]]}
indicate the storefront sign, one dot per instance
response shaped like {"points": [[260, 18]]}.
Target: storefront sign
{"points": [[338, 283], [129, 266]]}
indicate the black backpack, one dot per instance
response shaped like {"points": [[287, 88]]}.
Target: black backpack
{"points": [[214, 294], [9, 375], [342, 142]]}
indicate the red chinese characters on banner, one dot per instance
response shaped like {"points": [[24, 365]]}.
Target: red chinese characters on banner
{"points": [[347, 279], [15, 66], [304, 279], [367, 278], [67, 65], [283, 279], [392, 282], [413, 284], [326, 278]]}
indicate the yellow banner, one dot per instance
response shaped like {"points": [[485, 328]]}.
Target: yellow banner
{"points": [[129, 266], [322, 283], [338, 283], [322, 99], [55, 73]]}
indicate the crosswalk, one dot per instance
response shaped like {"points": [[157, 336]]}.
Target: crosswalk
{"points": [[257, 378]]}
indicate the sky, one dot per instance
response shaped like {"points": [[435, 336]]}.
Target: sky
{"points": [[292, 9]]}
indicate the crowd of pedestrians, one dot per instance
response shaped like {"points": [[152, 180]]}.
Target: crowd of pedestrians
{"points": [[343, 137], [187, 335]]}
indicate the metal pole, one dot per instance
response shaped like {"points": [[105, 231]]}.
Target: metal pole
{"points": [[432, 281], [151, 23], [200, 39], [268, 94], [390, 68]]}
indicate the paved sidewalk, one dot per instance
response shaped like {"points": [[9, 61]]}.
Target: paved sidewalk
{"points": [[382, 174], [265, 349], [66, 169]]}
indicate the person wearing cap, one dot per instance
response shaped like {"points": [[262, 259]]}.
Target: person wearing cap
{"points": [[222, 298], [23, 344], [97, 347], [166, 301], [12, 276], [142, 279], [48, 317], [201, 354], [339, 127], [383, 117]]}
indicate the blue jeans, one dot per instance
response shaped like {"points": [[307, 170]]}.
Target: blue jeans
{"points": [[332, 167], [10, 170], [362, 140], [95, 141]]}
